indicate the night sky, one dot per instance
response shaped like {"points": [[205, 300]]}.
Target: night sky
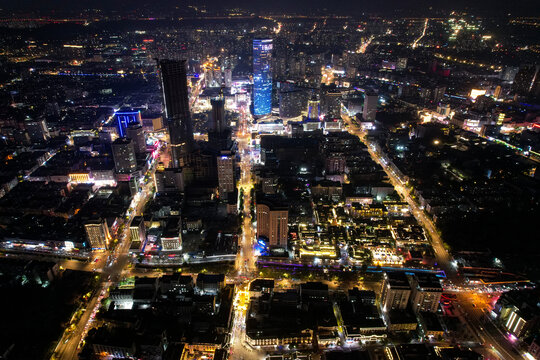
{"points": [[349, 7]]}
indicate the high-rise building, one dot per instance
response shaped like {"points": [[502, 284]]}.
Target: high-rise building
{"points": [[291, 103], [225, 167], [209, 77], [125, 161], [106, 136], [426, 292], [219, 134], [19, 136], [401, 64], [136, 134], [438, 93], [395, 292], [217, 119], [498, 91], [331, 104], [314, 109], [171, 239], [335, 163], [527, 80], [509, 73], [370, 106], [262, 77], [97, 233], [124, 118], [137, 232], [500, 118], [152, 122], [170, 179], [37, 130], [228, 77], [269, 184], [273, 222], [202, 166], [444, 109], [175, 95]]}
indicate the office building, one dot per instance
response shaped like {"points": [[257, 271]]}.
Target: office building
{"points": [[262, 77], [364, 297], [107, 136], [331, 104], [370, 106], [152, 122], [225, 167], [291, 103], [438, 93], [97, 234], [124, 118], [219, 134], [136, 134], [137, 232], [395, 292], [210, 283], [314, 291], [444, 109], [518, 312], [272, 222], [123, 151], [171, 239], [203, 166], [176, 99], [269, 184], [37, 130], [426, 293], [217, 122], [170, 179]]}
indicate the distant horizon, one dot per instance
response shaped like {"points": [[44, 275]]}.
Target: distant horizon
{"points": [[494, 8]]}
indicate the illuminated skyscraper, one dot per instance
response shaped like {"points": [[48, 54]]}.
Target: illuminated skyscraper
{"points": [[175, 96], [314, 108], [262, 76]]}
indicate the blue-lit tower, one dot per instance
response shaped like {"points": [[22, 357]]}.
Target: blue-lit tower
{"points": [[262, 77]]}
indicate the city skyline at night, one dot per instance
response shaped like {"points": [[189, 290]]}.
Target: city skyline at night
{"points": [[269, 180]]}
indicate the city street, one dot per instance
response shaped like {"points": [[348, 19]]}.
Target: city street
{"points": [[71, 342], [246, 258], [490, 335]]}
